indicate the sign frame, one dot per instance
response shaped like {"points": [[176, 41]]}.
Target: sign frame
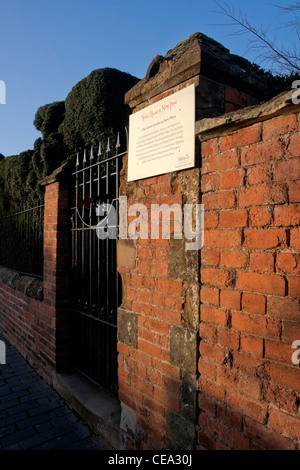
{"points": [[162, 136]]}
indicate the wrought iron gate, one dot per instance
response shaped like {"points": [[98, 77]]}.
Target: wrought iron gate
{"points": [[96, 287]]}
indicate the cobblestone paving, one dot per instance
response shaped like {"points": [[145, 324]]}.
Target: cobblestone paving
{"points": [[33, 415]]}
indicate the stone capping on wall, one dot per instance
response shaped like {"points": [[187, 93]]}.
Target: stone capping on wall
{"points": [[197, 55], [30, 286], [64, 172], [210, 128]]}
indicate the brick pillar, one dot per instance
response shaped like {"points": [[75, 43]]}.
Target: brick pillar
{"points": [[56, 262], [159, 317]]}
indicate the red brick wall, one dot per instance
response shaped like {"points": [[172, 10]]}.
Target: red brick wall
{"points": [[249, 386], [39, 328], [248, 390], [148, 383], [26, 323]]}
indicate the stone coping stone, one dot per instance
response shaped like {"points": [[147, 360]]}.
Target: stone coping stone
{"points": [[30, 286], [197, 55]]}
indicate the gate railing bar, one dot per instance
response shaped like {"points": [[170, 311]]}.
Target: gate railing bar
{"points": [[96, 283], [21, 240], [99, 163]]}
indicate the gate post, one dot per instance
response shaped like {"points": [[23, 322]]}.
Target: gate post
{"points": [[56, 260], [158, 322]]}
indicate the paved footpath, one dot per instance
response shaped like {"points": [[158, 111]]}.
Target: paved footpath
{"points": [[33, 416]]}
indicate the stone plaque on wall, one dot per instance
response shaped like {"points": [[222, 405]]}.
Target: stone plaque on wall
{"points": [[162, 136]]}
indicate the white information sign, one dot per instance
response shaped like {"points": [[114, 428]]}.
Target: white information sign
{"points": [[162, 136]]}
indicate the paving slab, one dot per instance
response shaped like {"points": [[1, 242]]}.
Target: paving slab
{"points": [[33, 416]]}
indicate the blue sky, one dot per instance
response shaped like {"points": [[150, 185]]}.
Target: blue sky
{"points": [[47, 46]]}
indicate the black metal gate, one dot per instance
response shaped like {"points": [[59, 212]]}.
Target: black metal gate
{"points": [[96, 287]]}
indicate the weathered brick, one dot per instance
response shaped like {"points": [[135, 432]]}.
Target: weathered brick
{"points": [[295, 238], [237, 441], [208, 332], [233, 218], [288, 263], [261, 152], [261, 195], [253, 345], [210, 147], [285, 376], [256, 324], [280, 125], [265, 238], [230, 299], [229, 338], [259, 174], [163, 397], [222, 238], [227, 377], [142, 386], [210, 182], [212, 351], [159, 326], [230, 417], [260, 216], [206, 404], [211, 389], [235, 96], [207, 369], [165, 367], [266, 437], [278, 351], [210, 257], [294, 191], [262, 261], [294, 286], [287, 215], [210, 295], [149, 348], [294, 147], [223, 200], [169, 316], [158, 268], [287, 170], [234, 258], [241, 138], [290, 331], [220, 162], [249, 386], [169, 286], [254, 303], [286, 400], [284, 423], [253, 409], [232, 178], [211, 219], [283, 307], [212, 314], [217, 277], [261, 283]]}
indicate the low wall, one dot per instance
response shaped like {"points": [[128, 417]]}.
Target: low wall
{"points": [[24, 319], [33, 313]]}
